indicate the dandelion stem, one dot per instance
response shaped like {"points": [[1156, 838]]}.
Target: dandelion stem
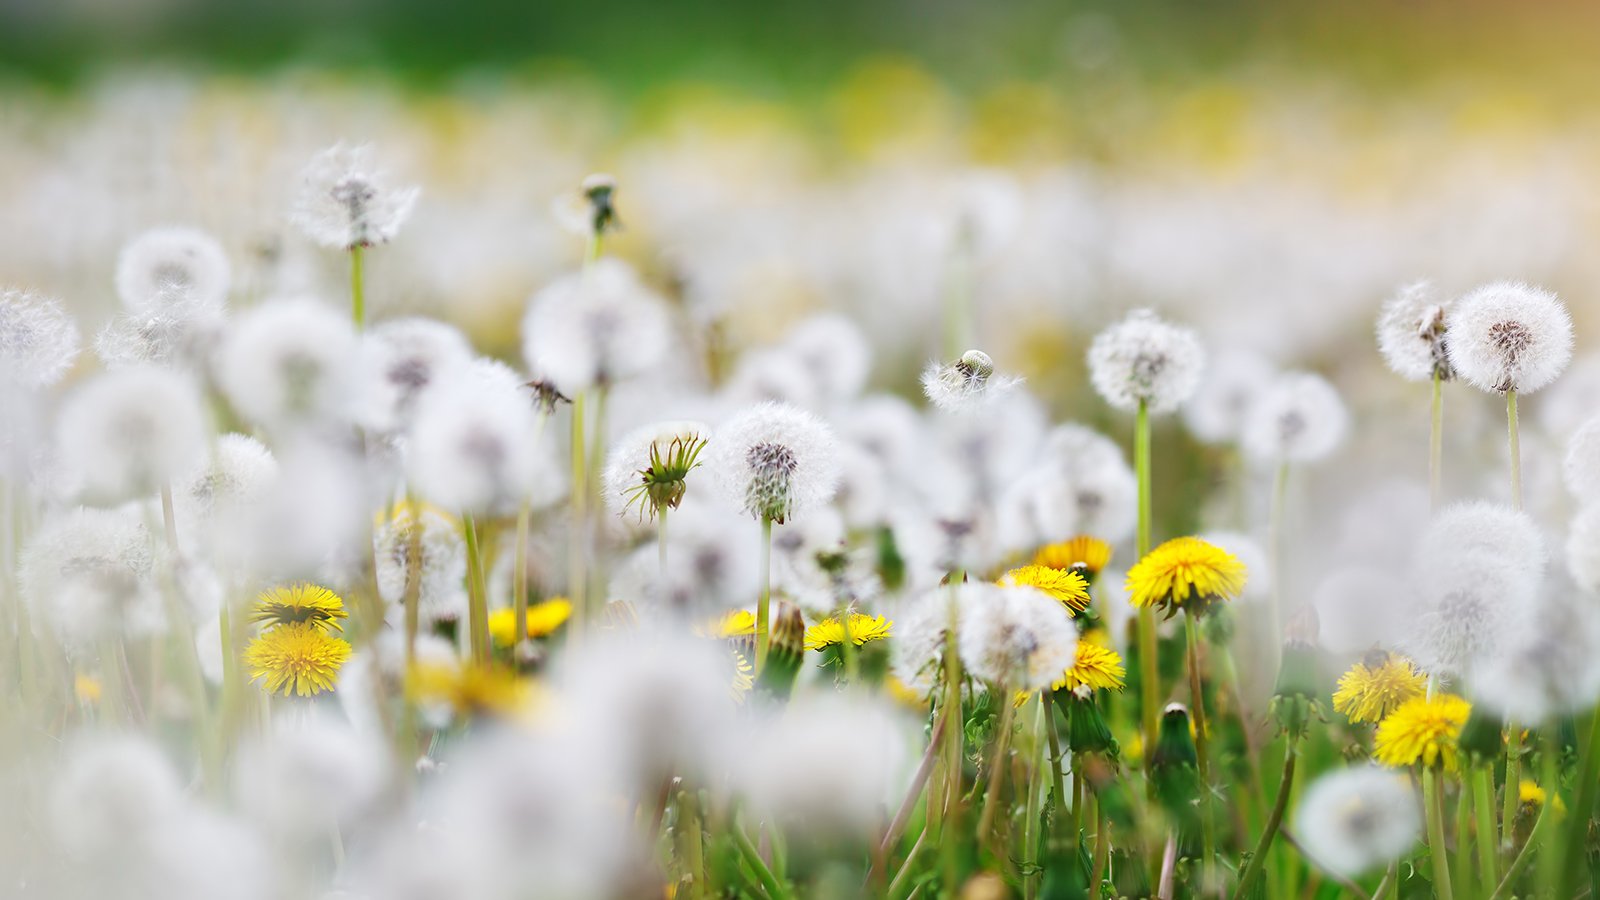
{"points": [[908, 805], [1275, 529], [358, 294], [997, 771], [693, 845], [1483, 805], [1102, 848], [1582, 812], [752, 858], [1433, 799], [1525, 855], [1508, 808], [477, 603], [1201, 746], [1514, 443], [1149, 687], [519, 577], [1057, 782], [898, 883], [591, 490], [1461, 872], [764, 603], [1436, 441], [661, 543], [1258, 856], [577, 552]]}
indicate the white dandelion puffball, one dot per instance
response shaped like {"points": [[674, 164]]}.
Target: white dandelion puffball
{"points": [[38, 339], [88, 573], [401, 358], [1024, 640], [1581, 468], [112, 791], [1412, 335], [967, 384], [632, 456], [1228, 389], [1145, 359], [214, 500], [835, 352], [922, 625], [775, 461], [173, 267], [180, 335], [1583, 548], [1508, 336], [127, 434], [309, 769], [595, 328], [345, 201], [441, 566], [1299, 418], [474, 447], [289, 363], [1549, 666], [1357, 819]]}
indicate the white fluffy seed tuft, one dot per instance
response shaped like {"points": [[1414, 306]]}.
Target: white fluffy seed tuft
{"points": [[1299, 419], [1508, 336], [1145, 359]]}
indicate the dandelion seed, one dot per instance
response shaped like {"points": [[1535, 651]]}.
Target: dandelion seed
{"points": [[1143, 359], [1185, 573], [1423, 730], [775, 461], [173, 267], [1412, 333], [38, 340], [967, 384], [864, 629], [1064, 585], [346, 202], [297, 658], [128, 434], [300, 604], [215, 494], [1357, 819], [1508, 336], [1300, 418], [1377, 686]]}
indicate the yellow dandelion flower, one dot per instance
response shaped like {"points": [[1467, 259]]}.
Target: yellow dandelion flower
{"points": [[863, 629], [1425, 730], [1098, 637], [1531, 794], [471, 690], [297, 658], [86, 688], [542, 619], [1185, 573], [1065, 585], [737, 623], [302, 603], [1377, 686], [1095, 667], [744, 677], [1091, 553], [904, 694]]}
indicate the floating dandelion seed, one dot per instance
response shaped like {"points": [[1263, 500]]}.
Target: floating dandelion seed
{"points": [[346, 202], [1508, 336], [1185, 573], [1143, 359], [168, 267], [297, 658], [303, 604], [966, 384], [864, 629], [1423, 730], [1064, 585], [1377, 686], [1358, 819], [1412, 333], [650, 468]]}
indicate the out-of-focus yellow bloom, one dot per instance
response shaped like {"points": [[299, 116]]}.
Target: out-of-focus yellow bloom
{"points": [[1064, 585], [744, 676], [1095, 667], [472, 690], [1091, 553], [737, 623], [542, 620], [298, 658], [863, 629], [904, 694], [86, 688], [302, 603], [1377, 686], [1425, 730], [1185, 573]]}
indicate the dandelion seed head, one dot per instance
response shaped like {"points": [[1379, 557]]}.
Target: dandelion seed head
{"points": [[475, 447], [179, 335], [1299, 418], [346, 201], [88, 573], [291, 362], [126, 434], [967, 384], [173, 266], [402, 357], [1581, 468], [775, 461], [1549, 665], [1508, 336], [1357, 819], [1583, 548], [711, 562], [922, 624], [834, 352], [1412, 333], [1145, 359], [597, 327], [1228, 389], [440, 566], [112, 792], [38, 339], [314, 769], [1023, 639]]}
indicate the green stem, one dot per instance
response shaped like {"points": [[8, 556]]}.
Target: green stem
{"points": [[1483, 805], [358, 294], [764, 603], [1582, 811], [1274, 819], [1057, 783], [596, 464], [1030, 823], [1149, 677], [693, 845], [1201, 746], [661, 543], [752, 858], [1515, 445], [577, 552], [1508, 808], [997, 771], [1525, 856], [477, 602], [1461, 872], [1275, 543], [1436, 442], [1433, 799], [519, 578]]}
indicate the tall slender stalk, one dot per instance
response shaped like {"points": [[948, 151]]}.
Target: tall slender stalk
{"points": [[1433, 799], [1436, 441], [764, 603], [1588, 785], [1201, 747], [1514, 443], [1275, 555], [661, 542], [358, 294], [477, 602], [577, 539], [1488, 840], [1258, 856], [997, 771], [1149, 686], [519, 576], [1508, 810]]}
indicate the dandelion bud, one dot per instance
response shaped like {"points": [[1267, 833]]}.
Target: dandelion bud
{"points": [[1508, 336], [1087, 731], [1411, 334], [1300, 418], [1174, 769], [1143, 359], [346, 202], [595, 328], [775, 461], [168, 267], [127, 434], [291, 363], [1023, 639], [1482, 737], [1358, 819], [600, 190], [966, 384], [785, 651], [649, 468], [38, 340]]}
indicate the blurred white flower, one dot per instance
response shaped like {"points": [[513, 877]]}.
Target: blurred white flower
{"points": [[1145, 359], [1357, 819], [1581, 468], [1412, 333], [127, 434], [1228, 389], [1022, 639], [1549, 665], [475, 447], [112, 795], [89, 573], [402, 357], [1299, 418], [595, 328], [179, 334], [835, 352], [308, 774], [967, 384], [38, 339], [291, 362], [345, 201], [1508, 336], [175, 266], [441, 565]]}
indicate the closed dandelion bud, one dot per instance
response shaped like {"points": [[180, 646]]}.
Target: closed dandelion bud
{"points": [[1480, 739], [38, 340], [600, 191], [967, 384], [1508, 336], [1087, 731], [346, 201], [785, 651], [172, 267], [775, 461], [1296, 699], [1174, 768], [1143, 359]]}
